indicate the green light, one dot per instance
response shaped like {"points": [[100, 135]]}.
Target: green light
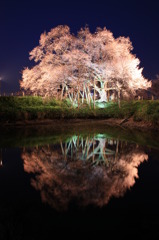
{"points": [[101, 104]]}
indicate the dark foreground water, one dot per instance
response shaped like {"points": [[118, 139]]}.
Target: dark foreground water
{"points": [[77, 180]]}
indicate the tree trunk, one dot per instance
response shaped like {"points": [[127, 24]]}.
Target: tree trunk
{"points": [[78, 97], [119, 99], [102, 94], [108, 95], [83, 95], [62, 93]]}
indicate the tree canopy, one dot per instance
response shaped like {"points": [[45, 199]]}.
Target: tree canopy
{"points": [[75, 65]]}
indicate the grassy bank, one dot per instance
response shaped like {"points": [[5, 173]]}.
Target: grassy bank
{"points": [[14, 109]]}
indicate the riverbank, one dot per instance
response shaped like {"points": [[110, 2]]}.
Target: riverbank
{"points": [[22, 111], [113, 122]]}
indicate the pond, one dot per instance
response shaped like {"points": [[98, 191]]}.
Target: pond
{"points": [[78, 179]]}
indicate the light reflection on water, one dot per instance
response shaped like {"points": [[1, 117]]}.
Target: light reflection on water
{"points": [[84, 169]]}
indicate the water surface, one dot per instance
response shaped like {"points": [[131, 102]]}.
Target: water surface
{"points": [[78, 179]]}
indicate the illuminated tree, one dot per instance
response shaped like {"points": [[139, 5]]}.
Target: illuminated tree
{"points": [[74, 66]]}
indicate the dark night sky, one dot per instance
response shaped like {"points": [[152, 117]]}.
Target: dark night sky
{"points": [[22, 22]]}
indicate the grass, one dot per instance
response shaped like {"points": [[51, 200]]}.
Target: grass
{"points": [[29, 108]]}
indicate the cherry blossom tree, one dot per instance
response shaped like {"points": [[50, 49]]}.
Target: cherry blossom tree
{"points": [[74, 66]]}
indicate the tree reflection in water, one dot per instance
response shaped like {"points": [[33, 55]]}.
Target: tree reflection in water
{"points": [[86, 170]]}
